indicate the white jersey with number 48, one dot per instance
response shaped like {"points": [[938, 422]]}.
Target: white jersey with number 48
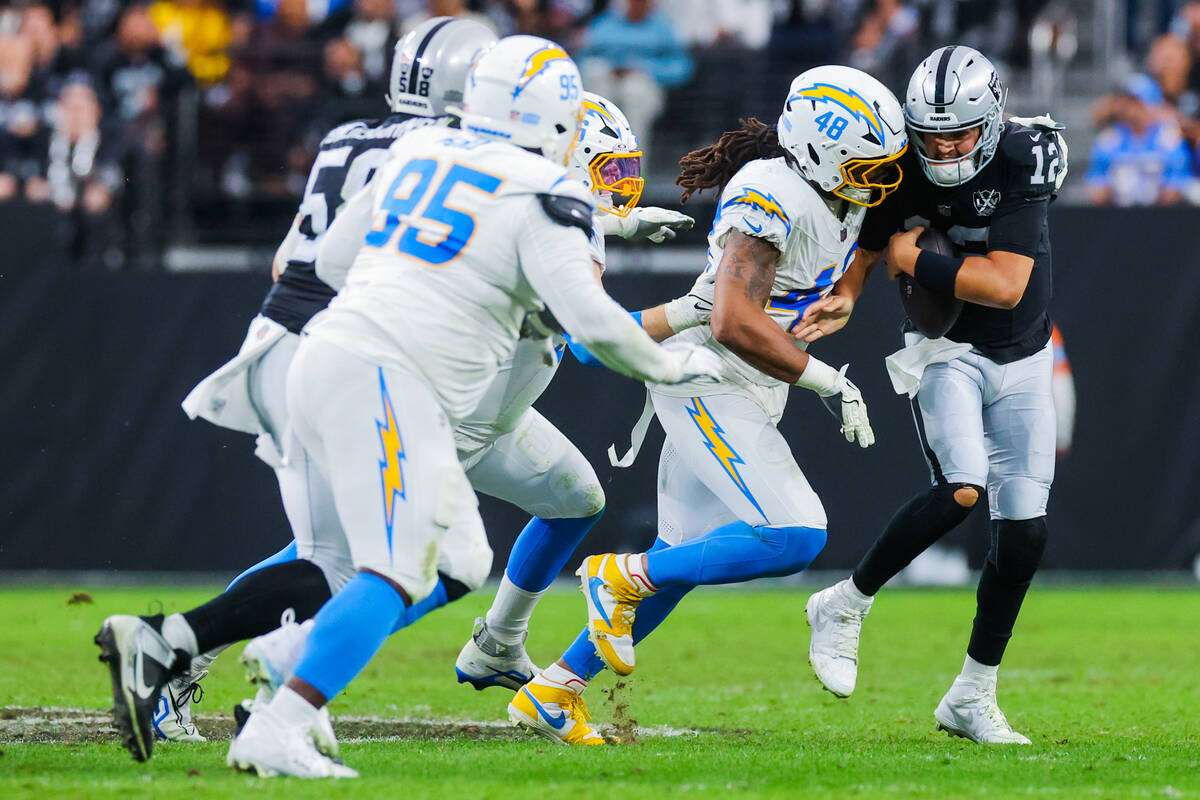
{"points": [[458, 245], [816, 238]]}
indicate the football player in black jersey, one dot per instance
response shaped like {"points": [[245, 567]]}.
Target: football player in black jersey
{"points": [[149, 655], [984, 407]]}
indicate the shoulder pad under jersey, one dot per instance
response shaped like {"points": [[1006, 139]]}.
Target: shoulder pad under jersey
{"points": [[569, 211]]}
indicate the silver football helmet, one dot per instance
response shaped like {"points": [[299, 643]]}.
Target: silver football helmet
{"points": [[956, 88], [431, 63]]}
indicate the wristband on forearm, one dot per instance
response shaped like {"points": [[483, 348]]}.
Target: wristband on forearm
{"points": [[937, 272], [820, 378]]}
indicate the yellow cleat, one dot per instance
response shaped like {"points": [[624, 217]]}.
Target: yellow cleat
{"points": [[555, 713], [613, 593]]}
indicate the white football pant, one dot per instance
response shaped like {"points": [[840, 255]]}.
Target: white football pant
{"points": [[724, 460]]}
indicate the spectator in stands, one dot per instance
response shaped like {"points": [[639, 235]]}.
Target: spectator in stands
{"points": [[1141, 159], [52, 62], [632, 55], [372, 32], [81, 172], [1170, 64], [200, 34], [886, 43], [444, 8], [20, 119]]}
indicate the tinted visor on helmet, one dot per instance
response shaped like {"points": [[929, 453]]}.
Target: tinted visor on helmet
{"points": [[620, 175], [878, 176]]}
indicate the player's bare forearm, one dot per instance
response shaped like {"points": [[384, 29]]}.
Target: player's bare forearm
{"points": [[739, 318], [654, 322], [830, 314]]}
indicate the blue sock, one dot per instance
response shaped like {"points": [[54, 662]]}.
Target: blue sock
{"points": [[348, 632], [734, 553], [436, 599], [282, 557], [581, 655], [542, 550]]}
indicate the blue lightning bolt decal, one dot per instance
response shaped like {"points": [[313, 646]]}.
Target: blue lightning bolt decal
{"points": [[725, 455], [390, 474], [764, 202], [850, 100]]}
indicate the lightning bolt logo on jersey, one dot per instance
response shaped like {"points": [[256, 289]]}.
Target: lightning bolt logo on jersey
{"points": [[763, 201], [536, 63], [714, 440], [391, 475], [849, 100]]}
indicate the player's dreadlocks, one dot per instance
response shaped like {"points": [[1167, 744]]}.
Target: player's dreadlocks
{"points": [[711, 167]]}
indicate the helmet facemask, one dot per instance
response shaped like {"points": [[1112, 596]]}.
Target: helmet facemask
{"points": [[618, 175], [867, 181]]}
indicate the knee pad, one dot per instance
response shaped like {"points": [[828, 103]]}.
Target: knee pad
{"points": [[1019, 498], [1017, 547], [798, 545]]}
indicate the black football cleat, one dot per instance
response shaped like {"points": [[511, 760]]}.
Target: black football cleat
{"points": [[141, 662]]}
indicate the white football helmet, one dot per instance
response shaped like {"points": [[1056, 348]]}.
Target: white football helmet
{"points": [[845, 131], [955, 89], [607, 157], [526, 91], [430, 64]]}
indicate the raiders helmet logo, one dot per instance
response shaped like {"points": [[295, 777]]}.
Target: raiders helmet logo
{"points": [[985, 201]]}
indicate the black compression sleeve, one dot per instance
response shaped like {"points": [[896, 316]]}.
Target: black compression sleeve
{"points": [[937, 272]]}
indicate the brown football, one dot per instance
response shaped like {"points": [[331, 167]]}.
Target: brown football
{"points": [[930, 313]]}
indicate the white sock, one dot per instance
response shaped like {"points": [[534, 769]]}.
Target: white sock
{"points": [[854, 593], [559, 676], [508, 618], [179, 634], [973, 669], [292, 709], [634, 567]]}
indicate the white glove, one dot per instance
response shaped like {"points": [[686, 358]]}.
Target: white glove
{"points": [[852, 411], [688, 311], [1046, 123], [700, 364], [649, 222]]}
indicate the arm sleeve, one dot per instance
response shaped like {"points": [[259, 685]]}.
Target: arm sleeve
{"points": [[554, 259], [342, 240]]}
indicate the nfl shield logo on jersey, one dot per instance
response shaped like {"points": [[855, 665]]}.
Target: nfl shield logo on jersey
{"points": [[985, 201]]}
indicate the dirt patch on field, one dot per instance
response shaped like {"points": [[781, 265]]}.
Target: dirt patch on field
{"points": [[79, 725]]}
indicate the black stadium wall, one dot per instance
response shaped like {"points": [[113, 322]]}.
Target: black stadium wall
{"points": [[102, 471]]}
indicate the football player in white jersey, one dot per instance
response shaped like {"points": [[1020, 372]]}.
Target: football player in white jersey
{"points": [[457, 240], [247, 394], [733, 503], [512, 452]]}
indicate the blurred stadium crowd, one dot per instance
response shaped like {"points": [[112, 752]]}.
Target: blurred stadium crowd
{"points": [[137, 119]]}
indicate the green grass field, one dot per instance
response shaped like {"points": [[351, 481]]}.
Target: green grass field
{"points": [[1105, 681]]}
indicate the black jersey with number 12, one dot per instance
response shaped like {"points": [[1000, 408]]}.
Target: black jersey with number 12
{"points": [[1003, 207]]}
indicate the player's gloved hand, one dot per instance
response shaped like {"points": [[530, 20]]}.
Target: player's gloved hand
{"points": [[649, 222], [1046, 123], [688, 311], [851, 411], [701, 364]]}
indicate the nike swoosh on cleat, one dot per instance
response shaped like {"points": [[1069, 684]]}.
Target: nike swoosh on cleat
{"points": [[556, 722], [143, 689], [593, 584]]}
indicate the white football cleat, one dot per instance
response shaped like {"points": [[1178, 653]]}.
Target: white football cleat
{"points": [[172, 718], [269, 659], [267, 747], [485, 662], [140, 662], [969, 710], [836, 618]]}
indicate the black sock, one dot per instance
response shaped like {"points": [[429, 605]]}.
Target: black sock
{"points": [[918, 524], [253, 606], [1016, 551]]}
